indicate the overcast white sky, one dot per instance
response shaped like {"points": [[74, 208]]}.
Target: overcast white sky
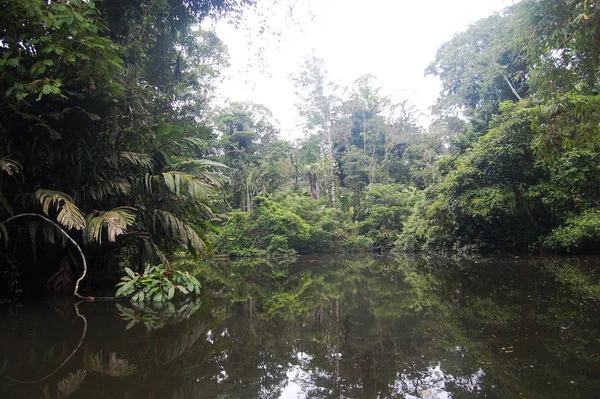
{"points": [[394, 40]]}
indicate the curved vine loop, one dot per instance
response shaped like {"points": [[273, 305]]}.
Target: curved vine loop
{"points": [[83, 334], [68, 237]]}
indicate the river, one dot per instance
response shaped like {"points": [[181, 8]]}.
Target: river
{"points": [[345, 326]]}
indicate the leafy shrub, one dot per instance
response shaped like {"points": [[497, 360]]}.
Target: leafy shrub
{"points": [[357, 243], [275, 220], [578, 232], [237, 237], [158, 283], [278, 244], [385, 209], [289, 223]]}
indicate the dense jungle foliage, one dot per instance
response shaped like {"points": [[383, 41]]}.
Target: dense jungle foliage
{"points": [[103, 118], [509, 163], [109, 139]]}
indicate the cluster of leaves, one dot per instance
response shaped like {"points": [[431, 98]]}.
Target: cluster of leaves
{"points": [[158, 283], [289, 223], [384, 212], [578, 232]]}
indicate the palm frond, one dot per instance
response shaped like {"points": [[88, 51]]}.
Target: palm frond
{"points": [[216, 179], [191, 142], [179, 229], [169, 136], [203, 209], [191, 165], [197, 185], [104, 187], [194, 186], [204, 170], [69, 214], [143, 183], [10, 166], [49, 233], [115, 367], [71, 382], [151, 250], [116, 221], [33, 228], [137, 158], [53, 133]]}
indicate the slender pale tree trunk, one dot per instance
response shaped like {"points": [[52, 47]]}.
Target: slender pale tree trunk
{"points": [[364, 132], [331, 163]]}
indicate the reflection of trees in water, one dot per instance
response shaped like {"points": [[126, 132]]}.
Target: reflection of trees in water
{"points": [[46, 354], [532, 331], [366, 330], [411, 314], [360, 328], [122, 363]]}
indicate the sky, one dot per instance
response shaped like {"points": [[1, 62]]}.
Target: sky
{"points": [[395, 40]]}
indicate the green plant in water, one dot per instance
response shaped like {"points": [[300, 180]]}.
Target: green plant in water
{"points": [[158, 283]]}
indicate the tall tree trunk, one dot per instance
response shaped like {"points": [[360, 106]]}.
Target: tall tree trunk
{"points": [[331, 163], [364, 132], [313, 183], [248, 201]]}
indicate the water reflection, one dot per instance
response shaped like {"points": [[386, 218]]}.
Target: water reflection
{"points": [[362, 327]]}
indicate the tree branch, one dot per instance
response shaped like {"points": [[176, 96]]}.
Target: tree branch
{"points": [[512, 88]]}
